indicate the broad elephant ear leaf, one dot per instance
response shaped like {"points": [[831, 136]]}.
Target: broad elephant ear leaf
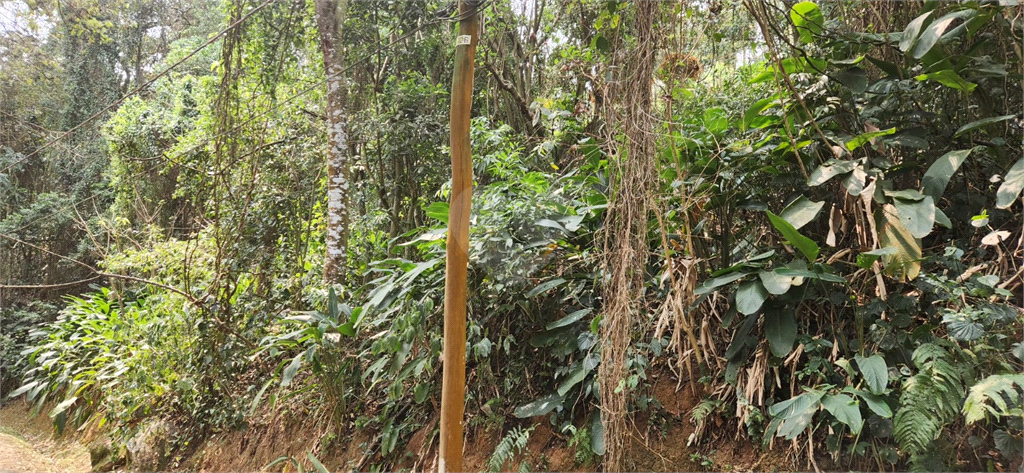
{"points": [[801, 211], [845, 409], [775, 283], [750, 296], [781, 331], [1012, 185], [830, 169], [937, 177], [875, 372], [917, 216]]}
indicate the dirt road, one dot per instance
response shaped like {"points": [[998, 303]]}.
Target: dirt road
{"points": [[26, 444]]}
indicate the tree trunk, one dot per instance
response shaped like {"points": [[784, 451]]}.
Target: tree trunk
{"points": [[453, 387], [330, 14], [625, 239]]}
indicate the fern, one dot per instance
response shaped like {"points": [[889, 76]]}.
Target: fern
{"points": [[1001, 391], [930, 400], [699, 415], [513, 443]]}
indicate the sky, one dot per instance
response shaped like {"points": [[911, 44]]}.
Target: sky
{"points": [[15, 16]]}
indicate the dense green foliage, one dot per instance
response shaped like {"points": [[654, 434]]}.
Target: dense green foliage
{"points": [[834, 254]]}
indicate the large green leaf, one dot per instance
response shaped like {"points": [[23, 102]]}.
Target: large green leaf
{"points": [[550, 337], [750, 296], [962, 328], [913, 31], [746, 263], [780, 328], [568, 319], [887, 67], [808, 20], [348, 329], [796, 413], [63, 407], [807, 273], [437, 211], [906, 194], [949, 78], [291, 370], [713, 284], [867, 258], [906, 261], [980, 124], [830, 169], [875, 402], [917, 216], [801, 211], [775, 283], [875, 372], [539, 406], [545, 286], [863, 138], [942, 219], [1013, 182], [854, 181], [937, 177], [791, 65], [597, 443], [574, 378], [547, 222], [24, 389], [854, 79], [845, 409], [333, 311], [716, 121], [755, 110], [742, 339], [934, 31], [806, 246], [319, 467]]}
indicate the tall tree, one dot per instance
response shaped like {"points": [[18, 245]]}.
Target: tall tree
{"points": [[453, 387], [330, 14]]}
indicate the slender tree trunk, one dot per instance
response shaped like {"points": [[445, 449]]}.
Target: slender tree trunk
{"points": [[453, 387], [626, 249], [330, 14]]}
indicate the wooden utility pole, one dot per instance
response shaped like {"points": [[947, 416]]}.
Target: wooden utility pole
{"points": [[453, 386]]}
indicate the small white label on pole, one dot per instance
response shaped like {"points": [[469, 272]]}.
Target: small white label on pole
{"points": [[463, 39]]}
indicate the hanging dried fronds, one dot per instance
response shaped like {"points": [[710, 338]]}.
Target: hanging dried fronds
{"points": [[625, 240]]}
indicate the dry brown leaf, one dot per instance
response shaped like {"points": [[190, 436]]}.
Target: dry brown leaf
{"points": [[995, 237]]}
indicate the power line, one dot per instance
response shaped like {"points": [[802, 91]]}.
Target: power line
{"points": [[139, 88]]}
